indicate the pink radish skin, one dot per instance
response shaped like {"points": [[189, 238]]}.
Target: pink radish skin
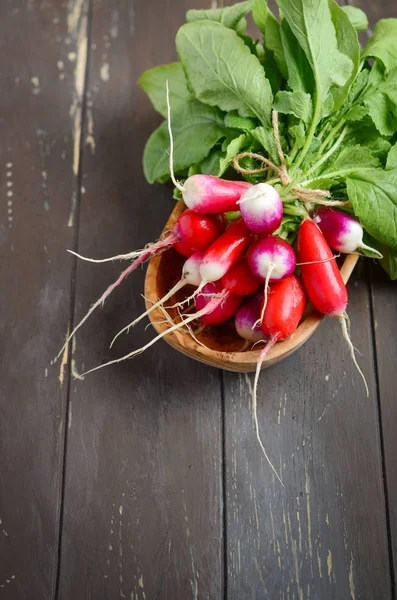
{"points": [[211, 195], [226, 309], [342, 231], [271, 259], [261, 209], [246, 318]]}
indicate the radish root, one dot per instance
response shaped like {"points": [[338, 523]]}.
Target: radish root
{"points": [[212, 305], [261, 358], [266, 292], [345, 323], [176, 183], [153, 249]]}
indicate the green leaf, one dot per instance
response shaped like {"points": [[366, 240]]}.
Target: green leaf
{"points": [[265, 137], [300, 74], [348, 45], [380, 109], [294, 103], [382, 44], [373, 194], [222, 71], [210, 165], [357, 17], [299, 134], [392, 158], [230, 16], [196, 129], [234, 121], [356, 113], [389, 260], [365, 134], [270, 28], [235, 147], [350, 157], [311, 24], [153, 82]]}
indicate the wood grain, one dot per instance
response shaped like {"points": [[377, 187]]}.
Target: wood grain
{"points": [[384, 304], [39, 112], [143, 488], [323, 535]]}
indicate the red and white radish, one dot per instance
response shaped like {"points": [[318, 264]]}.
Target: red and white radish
{"points": [[343, 232], [247, 317], [261, 209], [322, 279], [285, 307], [240, 280], [210, 195], [271, 259], [224, 251]]}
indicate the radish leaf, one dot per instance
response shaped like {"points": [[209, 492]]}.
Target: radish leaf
{"points": [[382, 44], [372, 193], [230, 16], [196, 129], [357, 17], [153, 82], [222, 71]]}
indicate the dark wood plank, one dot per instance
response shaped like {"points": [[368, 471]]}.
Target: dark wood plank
{"points": [[384, 301], [324, 534], [143, 494], [39, 115]]}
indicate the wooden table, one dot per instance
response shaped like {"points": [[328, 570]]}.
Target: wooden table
{"points": [[145, 480]]}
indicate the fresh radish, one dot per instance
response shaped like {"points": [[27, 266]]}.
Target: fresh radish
{"points": [[197, 232], [272, 259], [226, 309], [261, 208], [343, 232], [240, 280], [284, 310], [246, 318], [285, 307], [205, 193], [190, 276], [211, 195], [321, 276], [322, 279], [224, 251]]}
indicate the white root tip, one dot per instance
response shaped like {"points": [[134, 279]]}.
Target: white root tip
{"points": [[176, 287], [128, 256], [174, 180], [266, 349], [207, 309], [345, 322], [365, 247]]}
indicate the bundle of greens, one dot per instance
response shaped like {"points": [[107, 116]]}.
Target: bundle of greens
{"points": [[336, 105]]}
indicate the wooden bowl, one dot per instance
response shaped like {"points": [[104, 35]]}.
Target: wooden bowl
{"points": [[218, 346]]}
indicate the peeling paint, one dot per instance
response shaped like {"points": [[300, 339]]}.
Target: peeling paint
{"points": [[105, 72]]}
